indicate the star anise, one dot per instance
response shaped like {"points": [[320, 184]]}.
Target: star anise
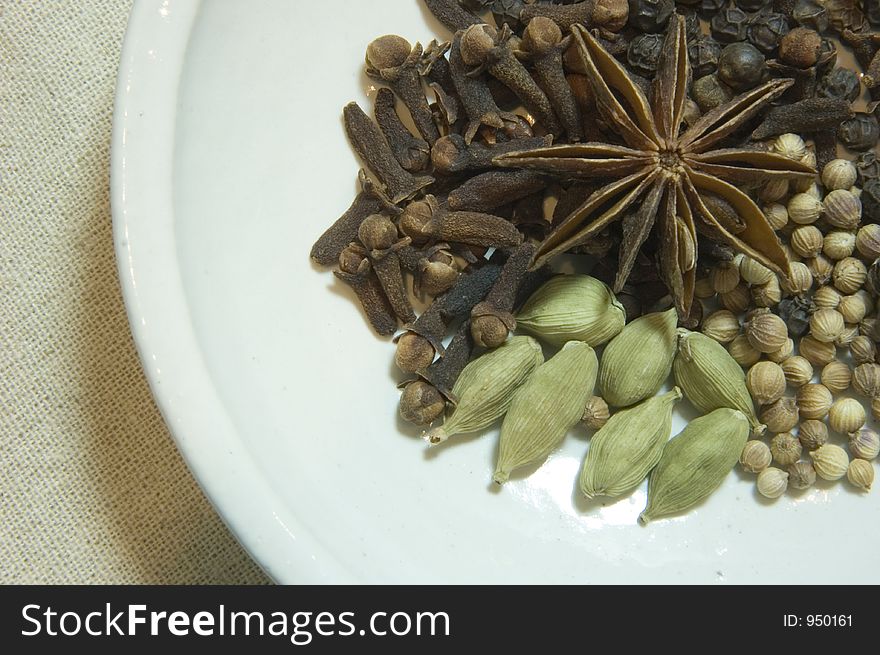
{"points": [[665, 173]]}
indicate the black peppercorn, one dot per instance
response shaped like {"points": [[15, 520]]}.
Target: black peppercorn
{"points": [[809, 13], [692, 29], [708, 8], [650, 15], [751, 5], [741, 66], [730, 25], [868, 167], [507, 11], [796, 312], [765, 30], [871, 200], [643, 52], [839, 83], [709, 92], [861, 132], [703, 54]]}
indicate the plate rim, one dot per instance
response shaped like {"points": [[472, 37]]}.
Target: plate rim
{"points": [[141, 197]]}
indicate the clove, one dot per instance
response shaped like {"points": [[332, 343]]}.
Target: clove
{"points": [[355, 270], [423, 400], [424, 220], [492, 319], [380, 241], [451, 154], [864, 45], [475, 97], [826, 147], [411, 152], [543, 45], [367, 140], [493, 189], [418, 346], [392, 60], [608, 14], [336, 237], [485, 48], [451, 14], [434, 68], [433, 268], [810, 115]]}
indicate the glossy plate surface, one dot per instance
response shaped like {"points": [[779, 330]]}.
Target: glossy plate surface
{"points": [[229, 159]]}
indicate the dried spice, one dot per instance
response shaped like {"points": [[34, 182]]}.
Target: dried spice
{"points": [[627, 447], [545, 408], [486, 386], [639, 359], [695, 462], [662, 170], [627, 142], [355, 270], [810, 115], [492, 319], [484, 48], [410, 151], [370, 144], [543, 44]]}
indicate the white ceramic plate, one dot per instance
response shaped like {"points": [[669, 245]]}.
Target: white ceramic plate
{"points": [[229, 159]]}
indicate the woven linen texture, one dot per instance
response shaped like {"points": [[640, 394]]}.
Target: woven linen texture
{"points": [[92, 488]]}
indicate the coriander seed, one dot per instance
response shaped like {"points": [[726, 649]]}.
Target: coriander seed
{"points": [[868, 241], [852, 308], [818, 353], [766, 382], [866, 379], [860, 474], [838, 245], [863, 350], [814, 401], [826, 325], [766, 332], [830, 462], [801, 475], [786, 449], [807, 240], [849, 275], [839, 174], [827, 297], [786, 351], [836, 376], [755, 457], [780, 416], [864, 444], [772, 482], [797, 370], [742, 351], [812, 434], [846, 415], [804, 209], [723, 326]]}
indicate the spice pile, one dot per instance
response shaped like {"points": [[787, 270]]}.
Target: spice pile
{"points": [[689, 151]]}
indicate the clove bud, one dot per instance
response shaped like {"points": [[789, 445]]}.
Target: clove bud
{"points": [[424, 221]]}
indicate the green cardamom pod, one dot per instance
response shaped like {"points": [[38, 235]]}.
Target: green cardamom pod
{"points": [[629, 445], [572, 307], [710, 378], [695, 462], [546, 407], [486, 386], [638, 360]]}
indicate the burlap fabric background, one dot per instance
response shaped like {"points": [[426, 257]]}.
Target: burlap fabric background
{"points": [[92, 489]]}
